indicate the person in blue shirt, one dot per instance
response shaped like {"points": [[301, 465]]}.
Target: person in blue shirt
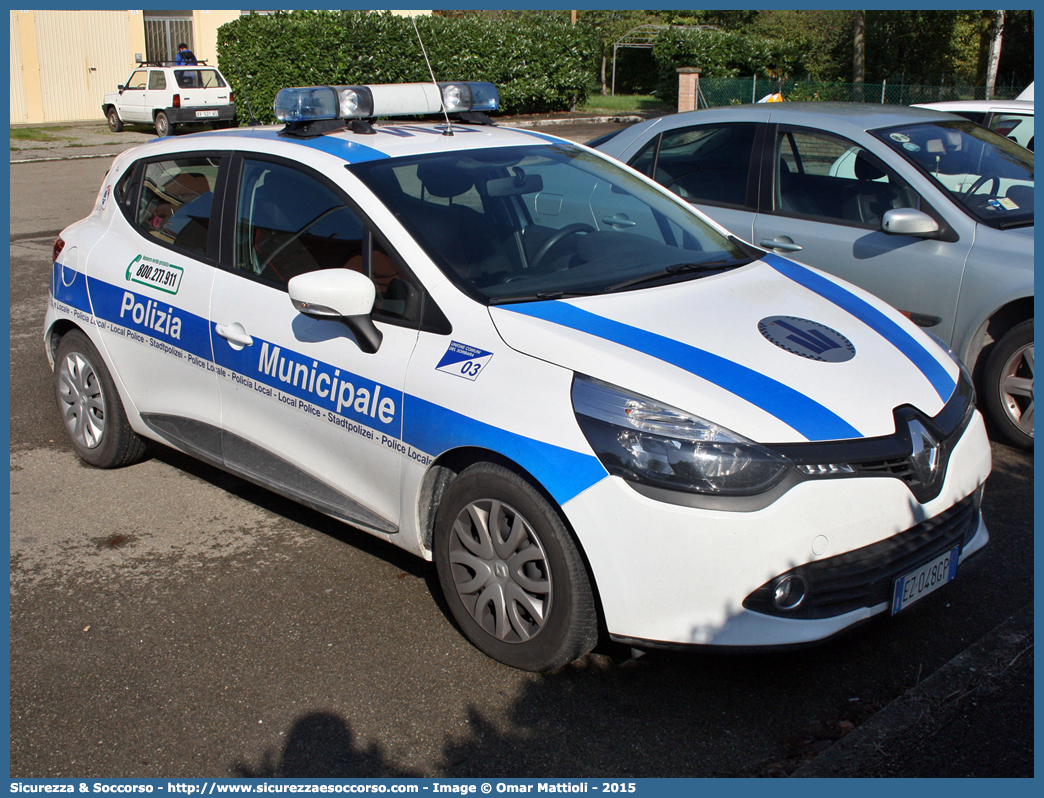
{"points": [[184, 56]]}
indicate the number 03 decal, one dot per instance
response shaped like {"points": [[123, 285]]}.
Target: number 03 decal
{"points": [[464, 361]]}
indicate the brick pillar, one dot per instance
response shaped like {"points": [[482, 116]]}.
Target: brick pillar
{"points": [[688, 81]]}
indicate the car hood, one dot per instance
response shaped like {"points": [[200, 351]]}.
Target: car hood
{"points": [[1023, 232], [775, 351]]}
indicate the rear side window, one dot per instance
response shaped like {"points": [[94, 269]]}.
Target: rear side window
{"points": [[175, 201], [706, 163], [157, 80], [1017, 127]]}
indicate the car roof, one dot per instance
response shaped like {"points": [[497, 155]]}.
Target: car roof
{"points": [[387, 141], [1020, 106], [826, 115]]}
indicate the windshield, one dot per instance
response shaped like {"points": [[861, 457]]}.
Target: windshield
{"points": [[988, 175], [515, 224]]}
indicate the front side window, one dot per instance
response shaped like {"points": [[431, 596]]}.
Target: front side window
{"points": [[175, 201], [157, 80], [137, 80], [987, 175], [290, 223], [544, 221], [709, 163], [823, 176]]}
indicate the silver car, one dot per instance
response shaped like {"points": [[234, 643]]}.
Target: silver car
{"points": [[929, 211]]}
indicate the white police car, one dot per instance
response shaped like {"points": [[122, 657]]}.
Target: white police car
{"points": [[591, 407]]}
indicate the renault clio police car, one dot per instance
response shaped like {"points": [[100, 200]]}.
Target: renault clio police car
{"points": [[501, 351]]}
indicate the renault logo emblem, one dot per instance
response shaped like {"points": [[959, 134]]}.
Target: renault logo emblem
{"points": [[925, 456]]}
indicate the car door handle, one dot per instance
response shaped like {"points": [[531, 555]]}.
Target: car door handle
{"points": [[618, 221], [773, 243], [235, 333]]}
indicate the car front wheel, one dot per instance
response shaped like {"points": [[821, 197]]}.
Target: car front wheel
{"points": [[1008, 385], [510, 571], [164, 127], [90, 407], [115, 123]]}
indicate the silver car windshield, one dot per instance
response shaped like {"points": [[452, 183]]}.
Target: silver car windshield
{"points": [[515, 224], [991, 177]]}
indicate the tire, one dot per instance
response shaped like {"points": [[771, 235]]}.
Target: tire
{"points": [[164, 127], [1008, 385], [115, 123], [90, 406], [537, 615]]}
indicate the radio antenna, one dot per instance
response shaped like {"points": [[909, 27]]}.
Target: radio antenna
{"points": [[449, 125]]}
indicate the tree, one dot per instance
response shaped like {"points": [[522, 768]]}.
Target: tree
{"points": [[996, 39], [858, 52]]}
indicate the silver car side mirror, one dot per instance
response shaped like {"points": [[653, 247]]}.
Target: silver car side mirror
{"points": [[339, 294], [909, 222]]}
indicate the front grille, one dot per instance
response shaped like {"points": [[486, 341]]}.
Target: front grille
{"points": [[898, 467], [865, 577]]}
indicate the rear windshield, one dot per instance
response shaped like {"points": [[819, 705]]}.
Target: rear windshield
{"points": [[199, 79]]}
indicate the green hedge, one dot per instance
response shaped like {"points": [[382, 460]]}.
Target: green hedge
{"points": [[718, 54], [540, 66]]}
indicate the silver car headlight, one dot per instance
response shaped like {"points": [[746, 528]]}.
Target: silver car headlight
{"points": [[645, 441]]}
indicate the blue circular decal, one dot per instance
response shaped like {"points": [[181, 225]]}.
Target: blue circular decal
{"points": [[807, 338]]}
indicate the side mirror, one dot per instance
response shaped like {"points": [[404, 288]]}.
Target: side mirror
{"points": [[120, 88], [909, 222], [339, 294]]}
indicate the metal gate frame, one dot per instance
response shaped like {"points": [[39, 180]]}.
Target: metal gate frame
{"points": [[164, 33]]}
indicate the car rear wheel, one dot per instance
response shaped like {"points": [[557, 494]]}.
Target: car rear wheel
{"points": [[510, 571], [1008, 385], [164, 127], [90, 406], [115, 123]]}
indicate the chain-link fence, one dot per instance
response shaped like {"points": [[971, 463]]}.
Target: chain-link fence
{"points": [[736, 91]]}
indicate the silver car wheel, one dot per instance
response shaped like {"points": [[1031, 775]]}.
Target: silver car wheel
{"points": [[1016, 386], [500, 570], [82, 402]]}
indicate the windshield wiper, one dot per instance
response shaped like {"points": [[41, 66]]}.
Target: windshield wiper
{"points": [[673, 269], [539, 295], [1015, 223]]}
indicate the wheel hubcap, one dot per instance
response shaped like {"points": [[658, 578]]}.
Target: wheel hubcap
{"points": [[1016, 388], [81, 401], [500, 570]]}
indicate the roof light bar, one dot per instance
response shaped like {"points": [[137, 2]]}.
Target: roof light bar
{"points": [[312, 103]]}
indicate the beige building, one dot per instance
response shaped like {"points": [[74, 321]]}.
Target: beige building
{"points": [[64, 62]]}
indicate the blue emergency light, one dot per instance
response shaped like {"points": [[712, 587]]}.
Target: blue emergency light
{"points": [[314, 103]]}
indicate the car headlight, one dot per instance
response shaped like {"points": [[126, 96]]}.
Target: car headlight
{"points": [[646, 441]]}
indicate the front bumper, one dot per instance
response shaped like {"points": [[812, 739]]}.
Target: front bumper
{"points": [[673, 575], [187, 116]]}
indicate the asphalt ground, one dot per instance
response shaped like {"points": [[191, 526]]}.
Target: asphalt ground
{"points": [[170, 620]]}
